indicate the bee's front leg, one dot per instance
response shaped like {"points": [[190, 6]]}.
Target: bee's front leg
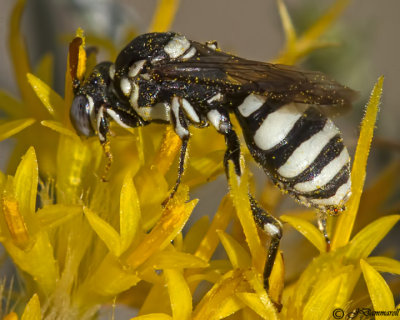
{"points": [[179, 121], [103, 129]]}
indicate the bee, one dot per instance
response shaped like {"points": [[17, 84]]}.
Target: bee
{"points": [[164, 77]]}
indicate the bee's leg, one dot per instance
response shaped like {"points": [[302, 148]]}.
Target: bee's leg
{"points": [[321, 220], [269, 224], [179, 121], [273, 228], [102, 132]]}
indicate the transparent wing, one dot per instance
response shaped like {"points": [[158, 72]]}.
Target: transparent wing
{"points": [[240, 76]]}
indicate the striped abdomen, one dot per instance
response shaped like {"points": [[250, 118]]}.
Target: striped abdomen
{"points": [[299, 148]]}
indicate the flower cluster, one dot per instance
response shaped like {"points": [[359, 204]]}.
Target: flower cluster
{"points": [[79, 242]]}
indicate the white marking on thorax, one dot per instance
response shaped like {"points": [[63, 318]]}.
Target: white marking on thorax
{"points": [[177, 46], [126, 86], [117, 118], [341, 196], [180, 131], [277, 125], [216, 97], [190, 53], [160, 111], [156, 59], [111, 71], [306, 153], [145, 76], [326, 174], [189, 110], [136, 68], [251, 103], [215, 118]]}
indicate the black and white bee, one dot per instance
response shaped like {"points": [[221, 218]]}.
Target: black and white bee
{"points": [[164, 77]]}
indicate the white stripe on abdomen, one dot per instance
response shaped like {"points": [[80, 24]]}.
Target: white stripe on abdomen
{"points": [[306, 153], [326, 175], [277, 125]]}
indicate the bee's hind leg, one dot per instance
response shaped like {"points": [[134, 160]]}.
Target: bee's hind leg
{"points": [[269, 224], [273, 228]]}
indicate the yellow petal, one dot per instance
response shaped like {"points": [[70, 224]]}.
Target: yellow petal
{"points": [[318, 275], [11, 316], [60, 128], [109, 279], [164, 15], [204, 168], [379, 291], [13, 218], [157, 301], [32, 309], [238, 256], [130, 215], [229, 307], [170, 147], [169, 259], [252, 300], [195, 234], [220, 222], [11, 128], [287, 24], [212, 276], [171, 222], [38, 261], [239, 191], [384, 264], [50, 99], [153, 316], [19, 56], [44, 70], [54, 215], [74, 160], [321, 304], [152, 192], [368, 238], [26, 182], [80, 73], [346, 220], [219, 295], [308, 230], [179, 293], [277, 279], [255, 280], [309, 40], [105, 231]]}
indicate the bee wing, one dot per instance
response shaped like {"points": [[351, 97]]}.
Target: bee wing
{"points": [[240, 76]]}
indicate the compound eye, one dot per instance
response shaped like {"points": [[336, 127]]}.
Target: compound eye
{"points": [[80, 112]]}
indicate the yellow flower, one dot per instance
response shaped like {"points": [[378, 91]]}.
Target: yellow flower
{"points": [[81, 242]]}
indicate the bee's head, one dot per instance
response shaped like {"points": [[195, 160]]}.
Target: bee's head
{"points": [[89, 97]]}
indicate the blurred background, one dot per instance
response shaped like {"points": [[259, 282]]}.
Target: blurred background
{"points": [[366, 35]]}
